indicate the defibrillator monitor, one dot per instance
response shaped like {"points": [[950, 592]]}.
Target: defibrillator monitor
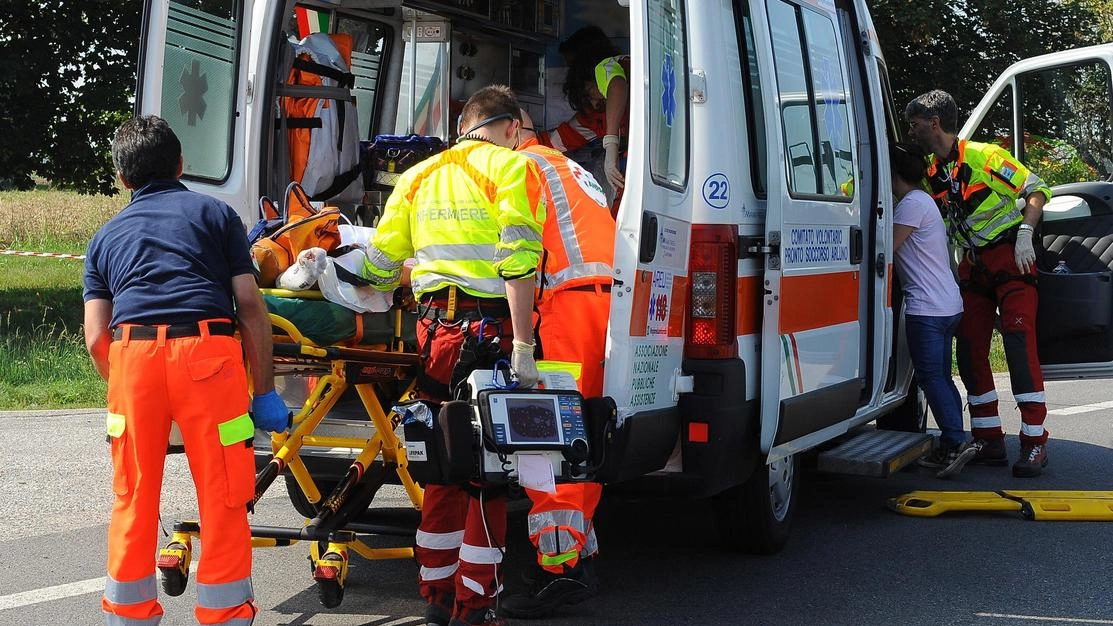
{"points": [[514, 420]]}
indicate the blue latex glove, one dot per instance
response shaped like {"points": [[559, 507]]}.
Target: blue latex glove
{"points": [[269, 412]]}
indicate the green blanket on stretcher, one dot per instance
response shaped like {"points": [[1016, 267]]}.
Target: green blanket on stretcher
{"points": [[326, 323]]}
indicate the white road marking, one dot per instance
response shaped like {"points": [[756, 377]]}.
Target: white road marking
{"points": [[1038, 618], [47, 594], [1085, 408]]}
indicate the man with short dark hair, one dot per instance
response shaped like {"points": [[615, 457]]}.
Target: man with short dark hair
{"points": [[471, 217], [166, 281], [976, 186]]}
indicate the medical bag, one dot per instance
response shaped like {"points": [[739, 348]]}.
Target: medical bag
{"points": [[385, 158]]}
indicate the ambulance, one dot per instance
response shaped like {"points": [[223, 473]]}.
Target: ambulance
{"points": [[755, 318]]}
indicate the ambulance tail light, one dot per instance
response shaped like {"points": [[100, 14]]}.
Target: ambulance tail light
{"points": [[713, 273]]}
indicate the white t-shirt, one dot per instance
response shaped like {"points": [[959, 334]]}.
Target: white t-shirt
{"points": [[923, 260]]}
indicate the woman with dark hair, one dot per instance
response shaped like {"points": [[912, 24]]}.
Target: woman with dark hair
{"points": [[933, 306]]}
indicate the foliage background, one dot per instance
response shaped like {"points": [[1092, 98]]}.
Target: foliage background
{"points": [[67, 68]]}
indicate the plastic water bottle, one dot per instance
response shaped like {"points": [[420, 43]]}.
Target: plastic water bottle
{"points": [[1061, 268]]}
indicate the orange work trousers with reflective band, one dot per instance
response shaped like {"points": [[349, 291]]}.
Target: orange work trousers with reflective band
{"points": [[199, 383], [573, 330]]}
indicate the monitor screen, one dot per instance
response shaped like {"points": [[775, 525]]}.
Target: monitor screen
{"points": [[533, 420]]}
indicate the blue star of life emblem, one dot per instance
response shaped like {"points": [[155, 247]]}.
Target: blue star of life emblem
{"points": [[668, 95]]}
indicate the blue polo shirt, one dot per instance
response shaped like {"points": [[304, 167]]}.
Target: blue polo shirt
{"points": [[168, 257]]}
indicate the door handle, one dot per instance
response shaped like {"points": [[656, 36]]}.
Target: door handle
{"points": [[855, 245]]}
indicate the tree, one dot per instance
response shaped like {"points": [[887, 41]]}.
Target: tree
{"points": [[962, 45], [67, 77]]}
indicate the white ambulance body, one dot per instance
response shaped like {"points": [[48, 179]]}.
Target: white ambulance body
{"points": [[753, 311]]}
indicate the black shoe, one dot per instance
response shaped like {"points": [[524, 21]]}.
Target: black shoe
{"points": [[1033, 458], [990, 452], [439, 612], [551, 591]]}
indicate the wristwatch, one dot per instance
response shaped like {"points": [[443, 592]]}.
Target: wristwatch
{"points": [[1026, 227]]}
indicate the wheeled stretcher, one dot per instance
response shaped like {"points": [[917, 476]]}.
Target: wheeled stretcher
{"points": [[338, 350]]}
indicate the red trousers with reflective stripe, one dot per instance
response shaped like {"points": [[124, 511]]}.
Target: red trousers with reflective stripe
{"points": [[573, 329], [468, 568], [199, 383], [983, 295]]}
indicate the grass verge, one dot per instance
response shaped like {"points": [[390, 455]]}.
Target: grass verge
{"points": [[43, 363]]}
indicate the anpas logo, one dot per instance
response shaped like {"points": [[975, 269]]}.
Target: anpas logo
{"points": [[588, 183]]}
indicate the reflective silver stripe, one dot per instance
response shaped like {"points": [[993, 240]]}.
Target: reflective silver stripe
{"points": [[225, 595], [380, 260], [1035, 396], [586, 270], [984, 228], [591, 546], [438, 573], [480, 555], [558, 542], [478, 588], [142, 590], [239, 621], [582, 130], [440, 541], [561, 208], [484, 287], [1032, 184], [117, 620], [547, 520], [985, 398], [985, 422], [517, 234], [555, 139], [1032, 430], [456, 252]]}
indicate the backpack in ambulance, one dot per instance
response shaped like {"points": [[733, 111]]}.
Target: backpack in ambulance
{"points": [[323, 132]]}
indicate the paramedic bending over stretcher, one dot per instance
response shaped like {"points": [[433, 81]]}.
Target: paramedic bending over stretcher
{"points": [[472, 218]]}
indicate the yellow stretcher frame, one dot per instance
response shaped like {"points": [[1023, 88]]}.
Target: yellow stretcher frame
{"points": [[1082, 506], [329, 556]]}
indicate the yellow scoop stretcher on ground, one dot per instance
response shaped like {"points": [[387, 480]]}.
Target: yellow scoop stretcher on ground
{"points": [[1089, 506], [377, 373]]}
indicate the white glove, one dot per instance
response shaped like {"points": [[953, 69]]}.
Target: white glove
{"points": [[1025, 254], [521, 361], [610, 162]]}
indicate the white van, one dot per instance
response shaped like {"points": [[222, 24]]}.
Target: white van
{"points": [[754, 312]]}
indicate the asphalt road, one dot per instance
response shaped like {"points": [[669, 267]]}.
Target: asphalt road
{"points": [[849, 561]]}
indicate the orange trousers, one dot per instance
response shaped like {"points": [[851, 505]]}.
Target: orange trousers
{"points": [[573, 329], [200, 384]]}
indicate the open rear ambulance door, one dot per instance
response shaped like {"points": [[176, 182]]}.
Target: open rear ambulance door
{"points": [[1062, 105], [196, 71], [645, 344], [812, 378]]}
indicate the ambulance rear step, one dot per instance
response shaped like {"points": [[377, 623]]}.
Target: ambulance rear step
{"points": [[872, 452]]}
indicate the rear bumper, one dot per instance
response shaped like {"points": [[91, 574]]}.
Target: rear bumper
{"points": [[720, 428]]}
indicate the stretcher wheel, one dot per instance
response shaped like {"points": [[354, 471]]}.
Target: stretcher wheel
{"points": [[173, 567], [330, 593], [173, 582]]}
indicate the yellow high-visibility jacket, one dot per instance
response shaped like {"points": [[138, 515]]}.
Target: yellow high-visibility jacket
{"points": [[471, 216], [977, 192]]}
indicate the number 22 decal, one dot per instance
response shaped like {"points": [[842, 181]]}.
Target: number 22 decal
{"points": [[716, 191]]}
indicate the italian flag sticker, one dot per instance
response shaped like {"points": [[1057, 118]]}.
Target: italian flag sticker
{"points": [[311, 21]]}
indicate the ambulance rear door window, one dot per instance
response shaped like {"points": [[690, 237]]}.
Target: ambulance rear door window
{"points": [[199, 83]]}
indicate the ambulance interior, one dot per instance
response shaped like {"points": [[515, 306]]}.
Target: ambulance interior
{"points": [[415, 63]]}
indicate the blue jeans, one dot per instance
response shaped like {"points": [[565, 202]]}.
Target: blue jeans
{"points": [[929, 344]]}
